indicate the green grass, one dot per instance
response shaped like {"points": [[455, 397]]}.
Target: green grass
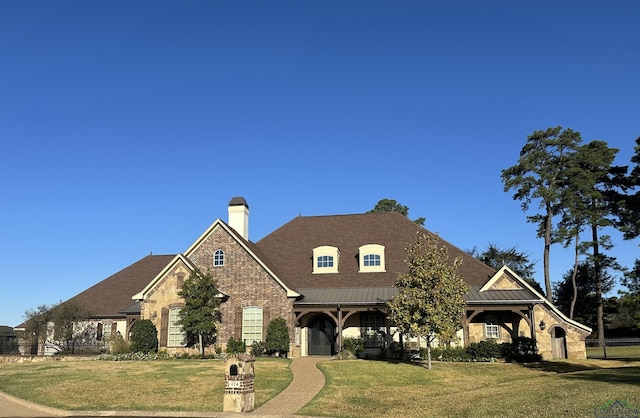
{"points": [[359, 388], [355, 388], [622, 352], [195, 385]]}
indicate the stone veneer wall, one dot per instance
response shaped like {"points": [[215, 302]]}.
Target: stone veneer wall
{"points": [[575, 337]]}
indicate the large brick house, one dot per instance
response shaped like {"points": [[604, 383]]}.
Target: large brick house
{"points": [[329, 277]]}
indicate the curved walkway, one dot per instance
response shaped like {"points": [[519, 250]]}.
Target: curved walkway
{"points": [[307, 382]]}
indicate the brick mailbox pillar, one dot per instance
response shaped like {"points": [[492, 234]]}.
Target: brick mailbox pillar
{"points": [[239, 392]]}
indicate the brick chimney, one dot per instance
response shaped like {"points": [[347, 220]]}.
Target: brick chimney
{"points": [[239, 216]]}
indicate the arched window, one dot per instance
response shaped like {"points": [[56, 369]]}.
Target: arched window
{"points": [[218, 258], [371, 258], [326, 259]]}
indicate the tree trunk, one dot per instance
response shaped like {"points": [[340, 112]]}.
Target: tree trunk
{"points": [[597, 270], [573, 278], [429, 355], [201, 345], [547, 248]]}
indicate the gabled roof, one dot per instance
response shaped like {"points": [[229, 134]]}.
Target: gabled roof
{"points": [[151, 283], [254, 251], [291, 247], [488, 291], [109, 297]]}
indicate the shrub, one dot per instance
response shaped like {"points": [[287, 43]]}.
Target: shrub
{"points": [[118, 345], [236, 346], [258, 348], [354, 345], [144, 337], [483, 351], [520, 350], [277, 337], [447, 353]]}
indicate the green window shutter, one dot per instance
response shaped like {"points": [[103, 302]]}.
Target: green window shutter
{"points": [[164, 327]]}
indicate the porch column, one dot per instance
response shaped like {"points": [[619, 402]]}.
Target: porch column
{"points": [[339, 341], [465, 329], [533, 325]]}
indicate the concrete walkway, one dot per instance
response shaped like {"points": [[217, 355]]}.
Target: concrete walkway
{"points": [[307, 382]]}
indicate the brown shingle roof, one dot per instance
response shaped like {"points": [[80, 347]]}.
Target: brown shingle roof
{"points": [[291, 248], [113, 294]]}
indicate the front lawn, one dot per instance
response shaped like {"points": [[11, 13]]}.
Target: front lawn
{"points": [[355, 388], [358, 388], [180, 385]]}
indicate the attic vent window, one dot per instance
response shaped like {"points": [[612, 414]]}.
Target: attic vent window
{"points": [[371, 258], [325, 259], [218, 258]]}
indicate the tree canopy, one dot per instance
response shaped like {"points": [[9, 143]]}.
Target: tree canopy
{"points": [[390, 205], [518, 261], [540, 175], [430, 298], [201, 313]]}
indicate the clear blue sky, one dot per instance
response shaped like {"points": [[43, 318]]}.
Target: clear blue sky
{"points": [[126, 127]]}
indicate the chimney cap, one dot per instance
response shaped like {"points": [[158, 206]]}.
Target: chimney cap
{"points": [[239, 201]]}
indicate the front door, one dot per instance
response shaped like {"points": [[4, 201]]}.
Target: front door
{"points": [[558, 343], [321, 337]]}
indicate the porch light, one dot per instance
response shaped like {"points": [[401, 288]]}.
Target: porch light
{"points": [[542, 325]]}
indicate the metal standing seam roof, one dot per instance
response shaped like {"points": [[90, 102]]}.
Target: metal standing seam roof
{"points": [[380, 295], [506, 296], [346, 296]]}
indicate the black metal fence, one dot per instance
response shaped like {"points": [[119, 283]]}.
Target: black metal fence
{"points": [[614, 348], [74, 348]]}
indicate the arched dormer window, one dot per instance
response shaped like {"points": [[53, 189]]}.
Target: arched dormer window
{"points": [[325, 259], [218, 258], [371, 258]]}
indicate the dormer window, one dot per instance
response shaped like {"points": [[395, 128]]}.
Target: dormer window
{"points": [[371, 258], [218, 258], [325, 259]]}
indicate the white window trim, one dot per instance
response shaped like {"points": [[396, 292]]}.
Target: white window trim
{"points": [[329, 251], [172, 335], [221, 251], [491, 327], [257, 331], [372, 249]]}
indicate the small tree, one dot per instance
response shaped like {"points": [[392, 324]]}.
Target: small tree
{"points": [[144, 337], [201, 312], [278, 337], [430, 298]]}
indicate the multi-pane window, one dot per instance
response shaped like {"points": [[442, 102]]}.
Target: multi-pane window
{"points": [[251, 325], [371, 260], [218, 258], [176, 337], [325, 261], [491, 327], [372, 323], [106, 331]]}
